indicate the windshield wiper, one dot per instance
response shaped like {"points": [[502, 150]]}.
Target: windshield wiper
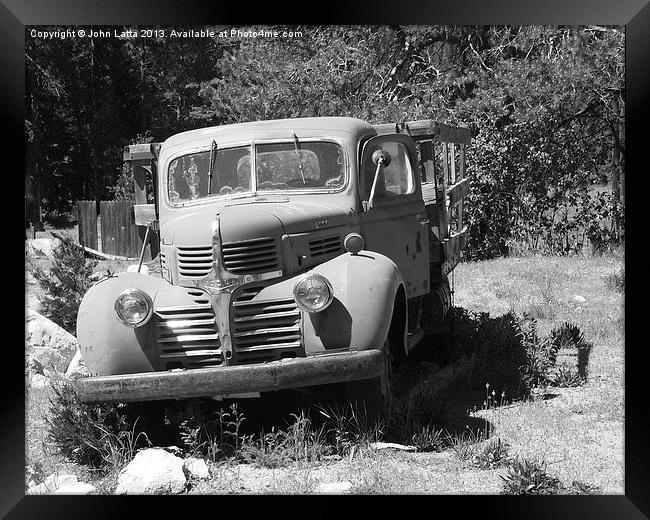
{"points": [[295, 143], [213, 161]]}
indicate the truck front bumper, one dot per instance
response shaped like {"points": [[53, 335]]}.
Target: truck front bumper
{"points": [[238, 379]]}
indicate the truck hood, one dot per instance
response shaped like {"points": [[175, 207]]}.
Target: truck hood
{"points": [[253, 218]]}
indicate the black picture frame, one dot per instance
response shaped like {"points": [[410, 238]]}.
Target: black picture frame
{"points": [[15, 15]]}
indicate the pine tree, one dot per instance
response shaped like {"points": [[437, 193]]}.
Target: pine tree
{"points": [[65, 284]]}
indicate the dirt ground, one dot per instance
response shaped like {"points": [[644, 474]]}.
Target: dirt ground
{"points": [[578, 431]]}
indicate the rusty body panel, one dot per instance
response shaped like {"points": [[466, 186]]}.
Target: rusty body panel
{"points": [[225, 319]]}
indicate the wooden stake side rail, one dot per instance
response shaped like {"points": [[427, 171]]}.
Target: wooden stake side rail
{"points": [[443, 187]]}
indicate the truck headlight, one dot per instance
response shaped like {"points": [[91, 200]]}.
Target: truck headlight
{"points": [[133, 307], [313, 293]]}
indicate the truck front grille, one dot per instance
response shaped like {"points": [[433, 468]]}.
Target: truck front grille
{"points": [[265, 330], [250, 256], [194, 262], [187, 336], [325, 246]]}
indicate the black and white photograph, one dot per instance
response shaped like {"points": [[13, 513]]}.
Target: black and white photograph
{"points": [[325, 259]]}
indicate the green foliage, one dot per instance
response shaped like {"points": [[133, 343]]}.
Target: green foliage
{"points": [[65, 284], [124, 188], [616, 281], [541, 354], [566, 376], [98, 435], [465, 444], [348, 426], [510, 355], [566, 335], [545, 104], [492, 454], [428, 438], [300, 442], [218, 438], [529, 477], [497, 346]]}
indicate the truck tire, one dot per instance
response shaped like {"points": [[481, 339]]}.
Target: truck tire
{"points": [[435, 306], [373, 397]]}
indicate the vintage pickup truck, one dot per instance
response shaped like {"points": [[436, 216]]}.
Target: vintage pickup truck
{"points": [[294, 253]]}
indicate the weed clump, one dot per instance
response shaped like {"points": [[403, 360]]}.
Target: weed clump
{"points": [[97, 435], [65, 284], [529, 477], [509, 353], [616, 281], [428, 438], [492, 454], [566, 335], [541, 354], [300, 442]]}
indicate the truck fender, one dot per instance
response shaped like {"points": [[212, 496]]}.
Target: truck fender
{"points": [[366, 288], [109, 347]]}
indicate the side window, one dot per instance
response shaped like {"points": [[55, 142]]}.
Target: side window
{"points": [[394, 179]]}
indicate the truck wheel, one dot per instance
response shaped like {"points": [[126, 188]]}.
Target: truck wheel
{"points": [[374, 396]]}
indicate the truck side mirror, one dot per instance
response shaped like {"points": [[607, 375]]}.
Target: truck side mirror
{"points": [[379, 158], [145, 215]]}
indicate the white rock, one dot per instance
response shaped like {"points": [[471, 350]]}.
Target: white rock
{"points": [[579, 299], [77, 367], [53, 483], [39, 381], [334, 488], [41, 246], [391, 445], [196, 468], [80, 488], [48, 343], [153, 471]]}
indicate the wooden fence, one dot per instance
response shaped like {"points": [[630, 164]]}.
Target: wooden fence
{"points": [[117, 234]]}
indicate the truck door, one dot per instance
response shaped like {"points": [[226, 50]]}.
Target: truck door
{"points": [[395, 224]]}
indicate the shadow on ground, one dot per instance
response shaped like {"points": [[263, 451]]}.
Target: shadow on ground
{"points": [[503, 367]]}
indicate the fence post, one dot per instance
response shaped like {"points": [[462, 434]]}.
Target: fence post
{"points": [[87, 221]]}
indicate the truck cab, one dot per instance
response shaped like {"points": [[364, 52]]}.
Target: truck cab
{"points": [[294, 253]]}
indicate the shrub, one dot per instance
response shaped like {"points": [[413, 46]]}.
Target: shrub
{"points": [[428, 438], [495, 343], [348, 426], [566, 376], [541, 354], [616, 281], [529, 477], [65, 284], [566, 335], [466, 443], [581, 488], [510, 355], [217, 438], [569, 336], [492, 454], [90, 434]]}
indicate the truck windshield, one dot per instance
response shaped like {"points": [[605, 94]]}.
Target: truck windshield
{"points": [[280, 167]]}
